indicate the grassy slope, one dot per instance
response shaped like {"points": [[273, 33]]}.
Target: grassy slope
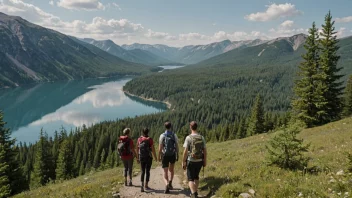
{"points": [[100, 184], [239, 165], [236, 166]]}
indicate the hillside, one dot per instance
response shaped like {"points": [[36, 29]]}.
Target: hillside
{"points": [[239, 165], [30, 53], [227, 84], [135, 55]]}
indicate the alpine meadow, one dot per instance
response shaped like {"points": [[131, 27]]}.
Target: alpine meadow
{"points": [[269, 93]]}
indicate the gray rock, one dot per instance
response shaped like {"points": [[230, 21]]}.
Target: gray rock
{"points": [[245, 195], [251, 191], [117, 195]]}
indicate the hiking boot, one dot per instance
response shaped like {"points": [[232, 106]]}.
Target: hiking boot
{"points": [[167, 190], [130, 184], [142, 189], [125, 182], [170, 185], [194, 195], [146, 186]]}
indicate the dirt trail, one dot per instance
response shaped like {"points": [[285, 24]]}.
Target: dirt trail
{"points": [[157, 186]]}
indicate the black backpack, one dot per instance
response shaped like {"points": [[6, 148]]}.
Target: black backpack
{"points": [[144, 149], [169, 144]]}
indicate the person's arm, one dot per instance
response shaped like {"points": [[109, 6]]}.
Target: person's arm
{"points": [[136, 150], [160, 150], [133, 150], [204, 154], [205, 157], [177, 147], [184, 158], [153, 149]]}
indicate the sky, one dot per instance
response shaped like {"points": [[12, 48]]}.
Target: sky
{"points": [[181, 22]]}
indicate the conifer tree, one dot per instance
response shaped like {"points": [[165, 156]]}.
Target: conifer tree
{"points": [[64, 162], [286, 150], [81, 168], [5, 189], [102, 160], [256, 123], [241, 132], [14, 172], [331, 86], [348, 98], [305, 103], [42, 168]]}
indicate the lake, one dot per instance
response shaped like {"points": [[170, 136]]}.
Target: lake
{"points": [[72, 104]]}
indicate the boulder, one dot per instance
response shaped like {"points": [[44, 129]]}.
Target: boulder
{"points": [[251, 191], [245, 195]]}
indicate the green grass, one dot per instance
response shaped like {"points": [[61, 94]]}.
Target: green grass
{"points": [[98, 184], [237, 166]]}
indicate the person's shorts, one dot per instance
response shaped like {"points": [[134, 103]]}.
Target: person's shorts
{"points": [[193, 170], [167, 160]]}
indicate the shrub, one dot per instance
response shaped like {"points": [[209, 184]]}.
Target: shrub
{"points": [[286, 150]]}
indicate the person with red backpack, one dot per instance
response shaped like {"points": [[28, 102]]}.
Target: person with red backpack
{"points": [[145, 150], [127, 153]]}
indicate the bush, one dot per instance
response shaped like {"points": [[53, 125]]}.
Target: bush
{"points": [[286, 150], [349, 157]]}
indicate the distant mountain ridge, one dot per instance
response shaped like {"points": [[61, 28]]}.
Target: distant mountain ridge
{"points": [[192, 54], [135, 55], [30, 53]]}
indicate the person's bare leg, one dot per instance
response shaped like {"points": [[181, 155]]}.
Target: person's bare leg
{"points": [[172, 171], [166, 176], [192, 186]]}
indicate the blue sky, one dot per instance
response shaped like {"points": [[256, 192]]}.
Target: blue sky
{"points": [[181, 22]]}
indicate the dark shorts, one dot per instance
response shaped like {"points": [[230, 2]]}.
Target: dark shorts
{"points": [[193, 170], [167, 160]]}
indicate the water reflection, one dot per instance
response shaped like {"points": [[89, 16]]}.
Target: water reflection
{"points": [[69, 105]]}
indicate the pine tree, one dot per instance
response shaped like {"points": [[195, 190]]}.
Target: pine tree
{"points": [[241, 132], [307, 99], [14, 172], [286, 151], [39, 176], [348, 98], [256, 123], [5, 188], [102, 160], [331, 79], [81, 168], [64, 162]]}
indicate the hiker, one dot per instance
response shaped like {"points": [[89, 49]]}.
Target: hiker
{"points": [[127, 153], [194, 158], [145, 146], [168, 155]]}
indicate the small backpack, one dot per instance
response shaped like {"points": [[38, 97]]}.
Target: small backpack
{"points": [[123, 147], [196, 147], [144, 148], [169, 144]]}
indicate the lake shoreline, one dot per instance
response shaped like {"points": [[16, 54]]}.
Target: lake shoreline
{"points": [[168, 104]]}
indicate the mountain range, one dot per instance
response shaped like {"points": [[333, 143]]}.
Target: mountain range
{"points": [[30, 53], [192, 54]]}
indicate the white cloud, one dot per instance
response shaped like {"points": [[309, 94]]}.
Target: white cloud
{"points": [[113, 5], [287, 24], [193, 36], [159, 35], [341, 32], [88, 5], [274, 11], [51, 2], [344, 19]]}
